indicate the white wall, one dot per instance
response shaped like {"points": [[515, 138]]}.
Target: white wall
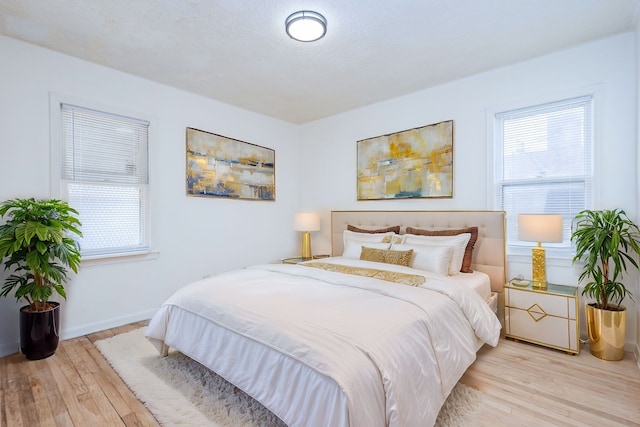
{"points": [[193, 237], [606, 66]]}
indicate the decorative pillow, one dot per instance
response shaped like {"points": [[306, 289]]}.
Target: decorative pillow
{"points": [[387, 256], [458, 243], [432, 258], [353, 248], [392, 239], [394, 229], [468, 252]]}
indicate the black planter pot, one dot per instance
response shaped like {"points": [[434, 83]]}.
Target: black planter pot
{"points": [[39, 332]]}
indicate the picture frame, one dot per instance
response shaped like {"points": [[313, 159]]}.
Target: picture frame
{"points": [[413, 163], [219, 166]]}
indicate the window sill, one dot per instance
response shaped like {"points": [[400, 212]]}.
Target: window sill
{"points": [[97, 260]]}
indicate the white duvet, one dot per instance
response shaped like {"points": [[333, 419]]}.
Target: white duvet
{"points": [[321, 348]]}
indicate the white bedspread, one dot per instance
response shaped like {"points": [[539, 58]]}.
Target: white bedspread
{"points": [[391, 352]]}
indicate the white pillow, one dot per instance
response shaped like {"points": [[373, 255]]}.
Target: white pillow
{"points": [[365, 237], [457, 242], [433, 258], [353, 248]]}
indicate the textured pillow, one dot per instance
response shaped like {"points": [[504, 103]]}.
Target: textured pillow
{"points": [[458, 243], [468, 252], [387, 256], [393, 238], [394, 229], [432, 258], [353, 248]]}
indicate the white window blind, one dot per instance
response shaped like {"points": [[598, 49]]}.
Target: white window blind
{"points": [[544, 163], [105, 177]]}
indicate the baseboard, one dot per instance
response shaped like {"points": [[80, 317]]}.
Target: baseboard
{"points": [[90, 328], [636, 353], [8, 349]]}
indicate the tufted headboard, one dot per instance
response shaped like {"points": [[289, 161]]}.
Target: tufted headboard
{"points": [[489, 254]]}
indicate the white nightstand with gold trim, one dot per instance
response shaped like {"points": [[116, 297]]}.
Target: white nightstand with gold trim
{"points": [[547, 317]]}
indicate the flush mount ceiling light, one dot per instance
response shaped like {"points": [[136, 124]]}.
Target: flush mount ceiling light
{"points": [[306, 26]]}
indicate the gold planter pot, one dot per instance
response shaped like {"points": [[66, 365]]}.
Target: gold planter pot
{"points": [[606, 332]]}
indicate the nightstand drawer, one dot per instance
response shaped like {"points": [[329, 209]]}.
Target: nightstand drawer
{"points": [[547, 330], [553, 305]]}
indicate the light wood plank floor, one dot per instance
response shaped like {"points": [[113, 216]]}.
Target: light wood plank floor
{"points": [[524, 385], [528, 385]]}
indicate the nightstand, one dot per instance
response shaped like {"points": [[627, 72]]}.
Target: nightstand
{"points": [[547, 317], [296, 260]]}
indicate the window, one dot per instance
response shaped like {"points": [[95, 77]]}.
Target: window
{"points": [[105, 178], [543, 158]]}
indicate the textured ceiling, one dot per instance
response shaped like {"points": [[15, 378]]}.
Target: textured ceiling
{"points": [[236, 51]]}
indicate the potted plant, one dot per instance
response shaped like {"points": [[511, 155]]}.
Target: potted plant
{"points": [[605, 241], [37, 249]]}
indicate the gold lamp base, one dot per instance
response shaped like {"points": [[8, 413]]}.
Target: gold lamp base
{"points": [[538, 268], [306, 245]]}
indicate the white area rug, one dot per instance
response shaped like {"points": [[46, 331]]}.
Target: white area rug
{"points": [[180, 392]]}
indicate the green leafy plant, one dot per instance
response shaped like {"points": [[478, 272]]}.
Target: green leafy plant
{"points": [[605, 241], [37, 247]]}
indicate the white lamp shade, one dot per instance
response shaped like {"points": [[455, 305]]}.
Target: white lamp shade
{"points": [[540, 228], [307, 222]]}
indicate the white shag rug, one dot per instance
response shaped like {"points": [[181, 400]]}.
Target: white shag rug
{"points": [[180, 392]]}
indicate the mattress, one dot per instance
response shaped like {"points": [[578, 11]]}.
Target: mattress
{"points": [[323, 348], [477, 281]]}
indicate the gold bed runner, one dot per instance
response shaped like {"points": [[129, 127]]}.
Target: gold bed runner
{"points": [[389, 276]]}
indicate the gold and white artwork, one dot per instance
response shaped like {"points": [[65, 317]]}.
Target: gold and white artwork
{"points": [[414, 163]]}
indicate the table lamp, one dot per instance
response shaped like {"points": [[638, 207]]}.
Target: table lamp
{"points": [[306, 222], [539, 228]]}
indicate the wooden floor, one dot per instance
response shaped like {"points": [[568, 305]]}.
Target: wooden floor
{"points": [[74, 387], [524, 385], [528, 385]]}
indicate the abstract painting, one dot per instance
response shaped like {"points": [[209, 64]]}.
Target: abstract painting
{"points": [[415, 163], [218, 166]]}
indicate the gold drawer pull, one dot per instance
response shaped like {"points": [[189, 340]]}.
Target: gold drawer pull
{"points": [[538, 314]]}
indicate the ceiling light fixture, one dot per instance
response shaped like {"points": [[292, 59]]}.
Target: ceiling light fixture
{"points": [[306, 26]]}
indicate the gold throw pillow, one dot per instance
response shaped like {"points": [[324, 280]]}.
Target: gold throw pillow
{"points": [[387, 256]]}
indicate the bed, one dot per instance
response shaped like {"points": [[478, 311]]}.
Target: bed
{"points": [[345, 341]]}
